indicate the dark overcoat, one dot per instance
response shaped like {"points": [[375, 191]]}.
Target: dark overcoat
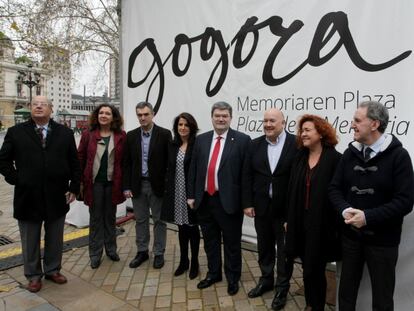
{"points": [[318, 228], [167, 213], [41, 176]]}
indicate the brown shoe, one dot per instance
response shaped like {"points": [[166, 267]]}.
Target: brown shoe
{"points": [[34, 286], [57, 278]]}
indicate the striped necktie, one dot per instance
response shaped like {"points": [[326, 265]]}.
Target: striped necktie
{"points": [[39, 131]]}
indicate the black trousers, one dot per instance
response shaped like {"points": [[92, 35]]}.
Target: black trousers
{"points": [[216, 224], [271, 233], [314, 277], [381, 262]]}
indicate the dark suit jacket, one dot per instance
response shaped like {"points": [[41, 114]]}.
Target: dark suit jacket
{"points": [[157, 160], [259, 176], [229, 172], [41, 176], [167, 212]]}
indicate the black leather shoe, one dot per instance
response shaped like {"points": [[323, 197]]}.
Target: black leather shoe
{"points": [[207, 282], [139, 259], [232, 288], [194, 270], [114, 257], [259, 290], [279, 301], [95, 263], [182, 267], [158, 261]]}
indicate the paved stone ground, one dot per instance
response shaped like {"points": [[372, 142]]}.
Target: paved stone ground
{"points": [[114, 286]]}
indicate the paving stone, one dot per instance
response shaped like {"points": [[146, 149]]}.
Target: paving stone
{"points": [[150, 291], [164, 289], [225, 301], [151, 282], [147, 303], [242, 305], [209, 298], [179, 306], [111, 279], [179, 294], [135, 291], [120, 294], [179, 283], [163, 301], [194, 304], [123, 284], [44, 307], [126, 307], [193, 294], [107, 288]]}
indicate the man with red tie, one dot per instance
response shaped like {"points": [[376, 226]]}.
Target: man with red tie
{"points": [[214, 189]]}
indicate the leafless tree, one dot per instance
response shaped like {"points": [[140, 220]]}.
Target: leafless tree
{"points": [[76, 25]]}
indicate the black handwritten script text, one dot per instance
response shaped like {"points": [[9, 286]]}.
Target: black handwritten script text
{"points": [[211, 42]]}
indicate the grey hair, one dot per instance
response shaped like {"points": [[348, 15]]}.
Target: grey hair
{"points": [[376, 111], [222, 106], [142, 105]]}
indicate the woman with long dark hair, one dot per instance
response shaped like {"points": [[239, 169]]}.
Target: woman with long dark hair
{"points": [[100, 153], [175, 208], [312, 225]]}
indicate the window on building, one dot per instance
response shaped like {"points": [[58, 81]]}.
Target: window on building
{"points": [[19, 89], [38, 90]]}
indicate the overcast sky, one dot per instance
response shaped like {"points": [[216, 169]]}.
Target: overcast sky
{"points": [[92, 73]]}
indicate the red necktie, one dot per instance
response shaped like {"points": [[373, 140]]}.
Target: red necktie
{"points": [[211, 187]]}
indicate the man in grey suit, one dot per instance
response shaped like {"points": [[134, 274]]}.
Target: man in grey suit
{"points": [[40, 159], [214, 189], [144, 171]]}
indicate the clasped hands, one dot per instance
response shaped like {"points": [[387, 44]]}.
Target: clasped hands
{"points": [[354, 217]]}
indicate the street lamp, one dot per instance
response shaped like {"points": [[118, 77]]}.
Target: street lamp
{"points": [[93, 99], [29, 78]]}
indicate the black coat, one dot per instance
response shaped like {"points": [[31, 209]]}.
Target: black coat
{"points": [[167, 213], [390, 180], [41, 176], [259, 177], [319, 227], [157, 160]]}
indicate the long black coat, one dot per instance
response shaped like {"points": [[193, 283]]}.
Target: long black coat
{"points": [[167, 213], [41, 176], [319, 229]]}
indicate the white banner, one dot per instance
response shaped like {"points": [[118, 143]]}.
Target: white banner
{"points": [[315, 56]]}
